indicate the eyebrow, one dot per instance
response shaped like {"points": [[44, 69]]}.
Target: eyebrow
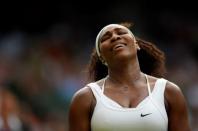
{"points": [[119, 28], [108, 32]]}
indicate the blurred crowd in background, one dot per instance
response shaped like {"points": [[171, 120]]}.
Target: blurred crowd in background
{"points": [[44, 53]]}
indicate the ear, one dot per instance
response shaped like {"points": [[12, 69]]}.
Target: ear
{"points": [[103, 61]]}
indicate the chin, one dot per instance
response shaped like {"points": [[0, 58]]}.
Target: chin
{"points": [[124, 55]]}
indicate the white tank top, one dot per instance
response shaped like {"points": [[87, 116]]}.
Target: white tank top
{"points": [[149, 115]]}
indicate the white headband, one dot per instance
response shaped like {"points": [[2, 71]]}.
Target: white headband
{"points": [[97, 44]]}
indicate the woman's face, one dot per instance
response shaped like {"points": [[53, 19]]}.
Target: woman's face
{"points": [[116, 42]]}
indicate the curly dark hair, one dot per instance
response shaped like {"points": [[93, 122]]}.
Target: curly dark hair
{"points": [[151, 59]]}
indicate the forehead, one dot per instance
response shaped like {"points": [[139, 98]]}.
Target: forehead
{"points": [[112, 27]]}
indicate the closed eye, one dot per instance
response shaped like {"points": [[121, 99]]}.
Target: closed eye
{"points": [[121, 31], [106, 36]]}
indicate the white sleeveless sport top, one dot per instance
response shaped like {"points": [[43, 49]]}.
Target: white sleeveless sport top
{"points": [[149, 115]]}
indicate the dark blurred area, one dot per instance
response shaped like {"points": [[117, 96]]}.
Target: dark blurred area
{"points": [[45, 47]]}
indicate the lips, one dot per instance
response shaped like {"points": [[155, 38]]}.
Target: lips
{"points": [[118, 46]]}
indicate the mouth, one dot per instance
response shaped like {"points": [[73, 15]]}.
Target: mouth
{"points": [[118, 46]]}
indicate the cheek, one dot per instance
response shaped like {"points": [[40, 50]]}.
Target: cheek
{"points": [[105, 50], [133, 48], [131, 42], [104, 47]]}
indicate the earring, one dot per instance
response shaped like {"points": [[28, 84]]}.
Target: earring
{"points": [[138, 48]]}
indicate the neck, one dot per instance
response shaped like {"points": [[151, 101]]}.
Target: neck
{"points": [[125, 74]]}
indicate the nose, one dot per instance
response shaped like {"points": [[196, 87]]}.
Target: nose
{"points": [[115, 37]]}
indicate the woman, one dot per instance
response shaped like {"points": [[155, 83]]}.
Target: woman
{"points": [[127, 92]]}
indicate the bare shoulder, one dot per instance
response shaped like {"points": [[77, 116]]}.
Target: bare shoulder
{"points": [[176, 105], [79, 111], [83, 95], [170, 86], [174, 96], [173, 90]]}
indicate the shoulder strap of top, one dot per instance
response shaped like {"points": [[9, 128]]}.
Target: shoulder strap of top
{"points": [[96, 90], [148, 85], [158, 97], [158, 90]]}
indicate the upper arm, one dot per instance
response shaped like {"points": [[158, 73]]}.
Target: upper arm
{"points": [[177, 109], [79, 112]]}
